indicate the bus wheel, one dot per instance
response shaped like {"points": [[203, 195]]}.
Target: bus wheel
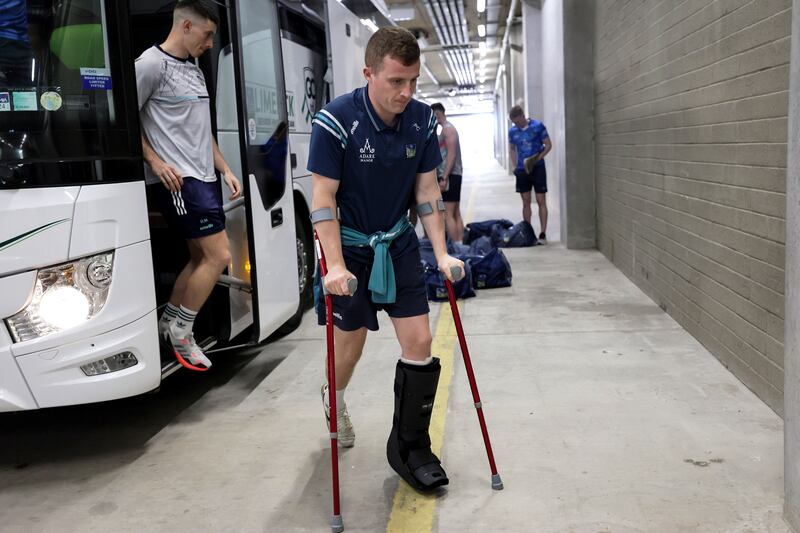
{"points": [[305, 274]]}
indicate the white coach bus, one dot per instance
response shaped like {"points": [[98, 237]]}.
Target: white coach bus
{"points": [[84, 266]]}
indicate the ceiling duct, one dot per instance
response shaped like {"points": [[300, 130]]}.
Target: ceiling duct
{"points": [[449, 22], [501, 65], [492, 18]]}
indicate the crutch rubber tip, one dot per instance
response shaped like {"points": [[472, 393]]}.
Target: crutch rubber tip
{"points": [[336, 524], [497, 483]]}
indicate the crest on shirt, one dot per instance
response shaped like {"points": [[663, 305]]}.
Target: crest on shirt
{"points": [[416, 126], [353, 127], [411, 150], [367, 153]]}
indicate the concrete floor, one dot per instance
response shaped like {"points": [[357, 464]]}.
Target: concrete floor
{"points": [[604, 414]]}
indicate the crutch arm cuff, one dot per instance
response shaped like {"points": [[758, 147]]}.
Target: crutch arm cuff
{"points": [[426, 208], [321, 215]]}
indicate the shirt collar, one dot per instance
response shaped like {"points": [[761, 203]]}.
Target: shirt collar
{"points": [[377, 123], [181, 59]]}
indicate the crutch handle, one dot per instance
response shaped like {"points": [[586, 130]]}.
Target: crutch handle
{"points": [[352, 286], [456, 272]]}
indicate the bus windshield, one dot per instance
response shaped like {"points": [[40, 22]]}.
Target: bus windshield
{"points": [[62, 88]]}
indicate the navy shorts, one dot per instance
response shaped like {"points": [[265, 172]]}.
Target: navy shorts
{"points": [[354, 312], [195, 211], [453, 192], [536, 180]]}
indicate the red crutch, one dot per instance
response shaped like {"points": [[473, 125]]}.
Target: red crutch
{"points": [[336, 521], [497, 483]]}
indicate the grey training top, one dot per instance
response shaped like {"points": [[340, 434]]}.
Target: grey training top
{"points": [[458, 168], [175, 113]]}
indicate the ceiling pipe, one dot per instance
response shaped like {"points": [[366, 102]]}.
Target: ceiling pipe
{"points": [[453, 37], [442, 38], [466, 53], [492, 16], [501, 65]]}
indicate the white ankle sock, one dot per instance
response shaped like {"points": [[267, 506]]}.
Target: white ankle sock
{"points": [[427, 361], [184, 322], [340, 405], [169, 314]]}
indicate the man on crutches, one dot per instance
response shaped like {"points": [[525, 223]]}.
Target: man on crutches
{"points": [[374, 153]]}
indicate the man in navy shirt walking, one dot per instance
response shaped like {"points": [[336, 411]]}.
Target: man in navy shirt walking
{"points": [[528, 143], [374, 154]]}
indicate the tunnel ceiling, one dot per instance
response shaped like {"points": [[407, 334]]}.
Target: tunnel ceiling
{"points": [[454, 69]]}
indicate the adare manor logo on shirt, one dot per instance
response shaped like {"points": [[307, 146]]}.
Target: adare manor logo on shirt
{"points": [[367, 154]]}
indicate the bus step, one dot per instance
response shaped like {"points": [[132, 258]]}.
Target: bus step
{"points": [[234, 283]]}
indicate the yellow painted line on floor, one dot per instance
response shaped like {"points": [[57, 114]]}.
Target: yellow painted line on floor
{"points": [[413, 512], [467, 215]]}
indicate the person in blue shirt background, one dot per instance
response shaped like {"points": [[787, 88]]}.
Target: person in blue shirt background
{"points": [[15, 45], [528, 143], [373, 155]]}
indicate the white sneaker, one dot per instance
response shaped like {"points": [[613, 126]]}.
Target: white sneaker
{"points": [[344, 427], [187, 352]]}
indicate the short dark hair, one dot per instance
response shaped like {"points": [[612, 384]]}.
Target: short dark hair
{"points": [[437, 107], [395, 42], [202, 8], [516, 111]]}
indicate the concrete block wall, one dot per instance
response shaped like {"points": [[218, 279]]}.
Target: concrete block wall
{"points": [[691, 103]]}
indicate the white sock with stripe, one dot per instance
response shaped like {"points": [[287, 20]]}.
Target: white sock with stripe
{"points": [[183, 322], [170, 313]]}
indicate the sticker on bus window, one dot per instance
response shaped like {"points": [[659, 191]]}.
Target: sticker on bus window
{"points": [[24, 100], [252, 129], [51, 100], [76, 102], [5, 102], [96, 79]]}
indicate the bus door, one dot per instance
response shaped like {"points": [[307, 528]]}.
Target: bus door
{"points": [[263, 136]]}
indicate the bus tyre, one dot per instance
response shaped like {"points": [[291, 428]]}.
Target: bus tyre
{"points": [[305, 273]]}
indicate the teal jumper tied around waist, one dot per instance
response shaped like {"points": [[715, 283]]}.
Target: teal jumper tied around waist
{"points": [[381, 279]]}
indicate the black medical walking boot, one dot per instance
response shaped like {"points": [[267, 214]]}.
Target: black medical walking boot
{"points": [[409, 446]]}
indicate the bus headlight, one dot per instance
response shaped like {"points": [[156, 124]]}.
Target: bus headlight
{"points": [[65, 296]]}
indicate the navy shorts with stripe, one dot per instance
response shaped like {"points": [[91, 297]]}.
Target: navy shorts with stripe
{"points": [[195, 211], [536, 180], [354, 312]]}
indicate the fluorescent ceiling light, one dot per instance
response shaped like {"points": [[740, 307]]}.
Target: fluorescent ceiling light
{"points": [[481, 30], [481, 6], [369, 24], [402, 12]]}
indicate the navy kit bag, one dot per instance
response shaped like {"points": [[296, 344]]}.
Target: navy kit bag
{"points": [[437, 291], [490, 271], [517, 236], [481, 246], [485, 227], [434, 280]]}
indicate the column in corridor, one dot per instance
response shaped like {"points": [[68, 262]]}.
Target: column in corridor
{"points": [[791, 393]]}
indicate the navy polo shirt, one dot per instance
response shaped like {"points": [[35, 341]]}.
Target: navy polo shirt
{"points": [[376, 164], [529, 141]]}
